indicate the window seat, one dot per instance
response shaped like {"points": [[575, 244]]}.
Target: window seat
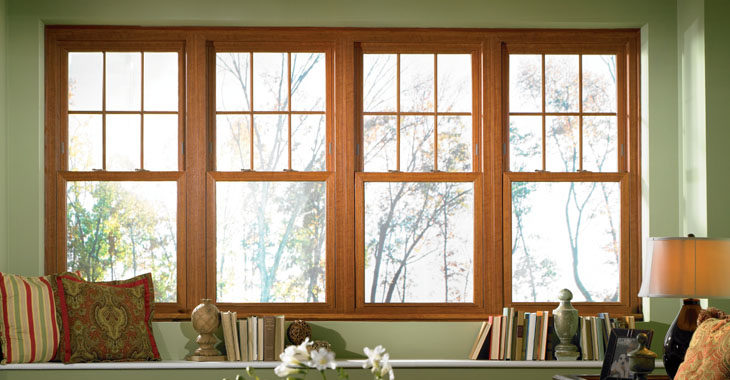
{"points": [[184, 364]]}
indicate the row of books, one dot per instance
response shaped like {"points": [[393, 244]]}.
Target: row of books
{"points": [[516, 335], [593, 334], [252, 338]]}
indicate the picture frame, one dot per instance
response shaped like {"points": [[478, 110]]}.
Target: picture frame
{"points": [[616, 361]]}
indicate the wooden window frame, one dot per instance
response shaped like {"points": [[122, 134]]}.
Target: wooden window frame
{"points": [[196, 257]]}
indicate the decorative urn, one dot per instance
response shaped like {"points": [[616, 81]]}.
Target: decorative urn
{"points": [[206, 319], [566, 326]]}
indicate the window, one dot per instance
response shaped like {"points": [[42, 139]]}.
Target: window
{"points": [[119, 183], [272, 177], [346, 173]]}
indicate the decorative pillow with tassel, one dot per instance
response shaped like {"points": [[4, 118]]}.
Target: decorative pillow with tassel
{"points": [[708, 355]]}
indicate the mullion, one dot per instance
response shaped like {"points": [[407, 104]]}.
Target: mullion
{"points": [[435, 114], [141, 107], [103, 111], [580, 112], [397, 108], [251, 129], [562, 113], [288, 104], [544, 153]]}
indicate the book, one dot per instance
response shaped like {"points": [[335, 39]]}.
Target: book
{"points": [[599, 345], [252, 334], [280, 336], [520, 337], [269, 337], [474, 352], [260, 338], [538, 330], [584, 351], [243, 338], [523, 355], [503, 332], [530, 352], [482, 339], [544, 334], [234, 333], [552, 340], [509, 334], [494, 342], [228, 336]]}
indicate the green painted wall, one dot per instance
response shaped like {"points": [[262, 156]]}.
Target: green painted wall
{"points": [[3, 147], [717, 62], [661, 178], [691, 60]]}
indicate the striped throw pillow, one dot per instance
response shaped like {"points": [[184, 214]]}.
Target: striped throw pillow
{"points": [[28, 329]]}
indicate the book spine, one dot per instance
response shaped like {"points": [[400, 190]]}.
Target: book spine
{"points": [[243, 338], [269, 337], [260, 338], [227, 337], [280, 334], [234, 333]]}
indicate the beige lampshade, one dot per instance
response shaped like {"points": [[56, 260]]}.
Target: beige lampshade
{"points": [[687, 268]]}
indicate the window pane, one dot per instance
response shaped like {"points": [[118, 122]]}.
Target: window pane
{"points": [[271, 241], [600, 139], [84, 142], [160, 142], [525, 143], [232, 78], [85, 78], [379, 82], [454, 82], [123, 81], [455, 143], [380, 143], [122, 142], [416, 143], [160, 81], [599, 83], [270, 85], [233, 142], [525, 83], [308, 142], [416, 82], [561, 226], [270, 142], [117, 230], [308, 80], [561, 83], [419, 242], [561, 145]]}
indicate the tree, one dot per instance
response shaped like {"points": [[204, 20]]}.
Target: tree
{"points": [[411, 226], [581, 205], [280, 247]]}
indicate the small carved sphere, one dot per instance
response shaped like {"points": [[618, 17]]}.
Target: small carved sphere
{"points": [[565, 295], [298, 331], [317, 344]]}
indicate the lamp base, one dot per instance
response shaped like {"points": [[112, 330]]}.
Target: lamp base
{"points": [[680, 334]]}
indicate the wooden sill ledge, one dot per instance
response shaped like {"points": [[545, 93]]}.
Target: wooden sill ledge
{"points": [[184, 364]]}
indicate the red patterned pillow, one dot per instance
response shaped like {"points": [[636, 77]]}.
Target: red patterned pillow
{"points": [[107, 321], [708, 355]]}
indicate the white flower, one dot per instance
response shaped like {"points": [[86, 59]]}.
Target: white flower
{"points": [[379, 361], [283, 370], [296, 356], [374, 357], [385, 368], [322, 359]]}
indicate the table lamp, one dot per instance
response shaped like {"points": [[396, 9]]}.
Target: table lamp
{"points": [[689, 268]]}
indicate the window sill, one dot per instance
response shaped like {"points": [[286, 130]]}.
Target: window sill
{"points": [[184, 364]]}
